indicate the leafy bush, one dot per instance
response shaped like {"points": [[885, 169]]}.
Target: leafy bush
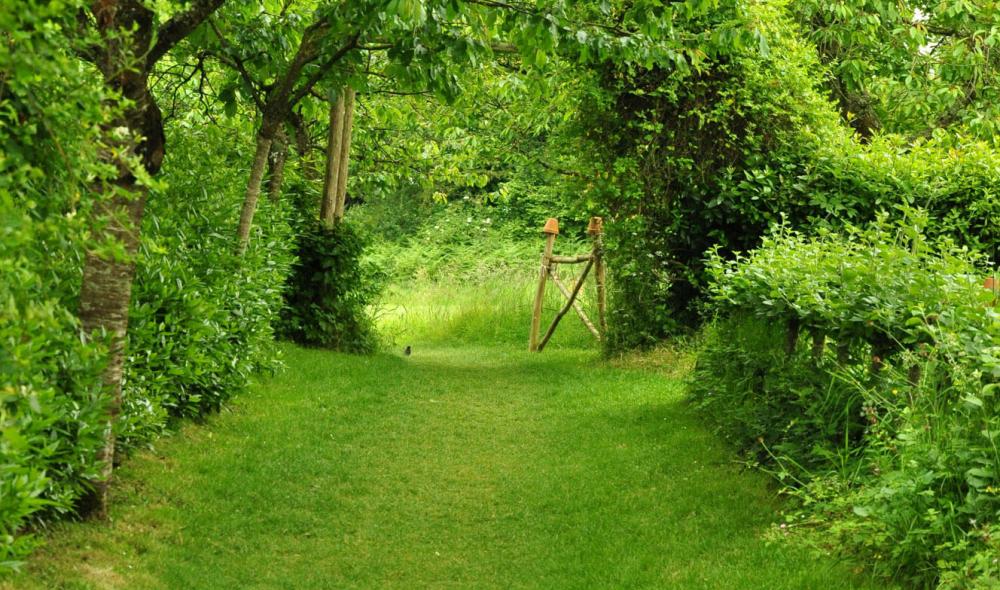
{"points": [[201, 317], [952, 178], [691, 161], [330, 289], [52, 417], [200, 325], [717, 157], [886, 423], [51, 412]]}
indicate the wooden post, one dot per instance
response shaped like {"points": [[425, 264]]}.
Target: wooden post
{"points": [[576, 305], [596, 231], [551, 230]]}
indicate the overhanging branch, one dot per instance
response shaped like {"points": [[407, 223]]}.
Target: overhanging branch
{"points": [[180, 26]]}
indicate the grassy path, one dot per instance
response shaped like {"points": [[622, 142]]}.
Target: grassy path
{"points": [[453, 468]]}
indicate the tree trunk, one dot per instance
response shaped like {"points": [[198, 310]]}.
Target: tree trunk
{"points": [[125, 61], [279, 154], [791, 336], [345, 153], [104, 305], [264, 138], [303, 146], [334, 145], [106, 288], [287, 91]]}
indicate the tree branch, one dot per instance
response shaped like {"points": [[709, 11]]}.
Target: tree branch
{"points": [[323, 68], [240, 67], [180, 26]]}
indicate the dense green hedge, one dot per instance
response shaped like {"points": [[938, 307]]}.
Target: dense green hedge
{"points": [[200, 325], [202, 317], [50, 404], [862, 369]]}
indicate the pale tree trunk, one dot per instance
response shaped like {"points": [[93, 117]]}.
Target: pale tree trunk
{"points": [[345, 153], [104, 305], [279, 154], [264, 140], [288, 90], [334, 145], [106, 288]]}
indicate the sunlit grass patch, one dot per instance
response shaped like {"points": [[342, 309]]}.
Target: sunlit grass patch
{"points": [[494, 311], [462, 467]]}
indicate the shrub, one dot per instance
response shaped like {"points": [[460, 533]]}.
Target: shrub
{"points": [[51, 412], [330, 289], [886, 424], [201, 318], [688, 162], [718, 157], [200, 325]]}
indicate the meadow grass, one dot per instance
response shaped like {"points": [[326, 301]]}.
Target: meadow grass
{"points": [[464, 465], [495, 310]]}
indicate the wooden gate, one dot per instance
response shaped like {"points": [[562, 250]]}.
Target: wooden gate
{"points": [[594, 260]]}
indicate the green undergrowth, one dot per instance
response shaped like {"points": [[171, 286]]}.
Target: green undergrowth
{"points": [[464, 277], [470, 463], [862, 370], [463, 242]]}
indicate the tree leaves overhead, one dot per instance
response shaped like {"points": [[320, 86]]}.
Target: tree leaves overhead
{"points": [[912, 66]]}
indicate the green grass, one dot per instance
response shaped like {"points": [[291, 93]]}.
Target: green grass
{"points": [[470, 464], [466, 467], [494, 311]]}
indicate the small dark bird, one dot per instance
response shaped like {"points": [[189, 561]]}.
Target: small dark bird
{"points": [[407, 350]]}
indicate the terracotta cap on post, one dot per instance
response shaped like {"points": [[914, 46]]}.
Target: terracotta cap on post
{"points": [[551, 227], [595, 226], [991, 283]]}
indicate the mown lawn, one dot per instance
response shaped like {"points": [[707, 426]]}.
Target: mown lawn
{"points": [[474, 467]]}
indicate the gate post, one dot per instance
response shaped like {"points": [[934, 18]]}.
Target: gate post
{"points": [[596, 231], [551, 230]]}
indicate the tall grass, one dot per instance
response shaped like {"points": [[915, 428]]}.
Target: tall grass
{"points": [[459, 278], [485, 312]]}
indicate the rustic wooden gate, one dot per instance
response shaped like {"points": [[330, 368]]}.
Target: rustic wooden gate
{"points": [[594, 260]]}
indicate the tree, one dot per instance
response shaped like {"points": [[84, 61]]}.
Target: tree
{"points": [[426, 42], [278, 81], [128, 42], [909, 67], [334, 149]]}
